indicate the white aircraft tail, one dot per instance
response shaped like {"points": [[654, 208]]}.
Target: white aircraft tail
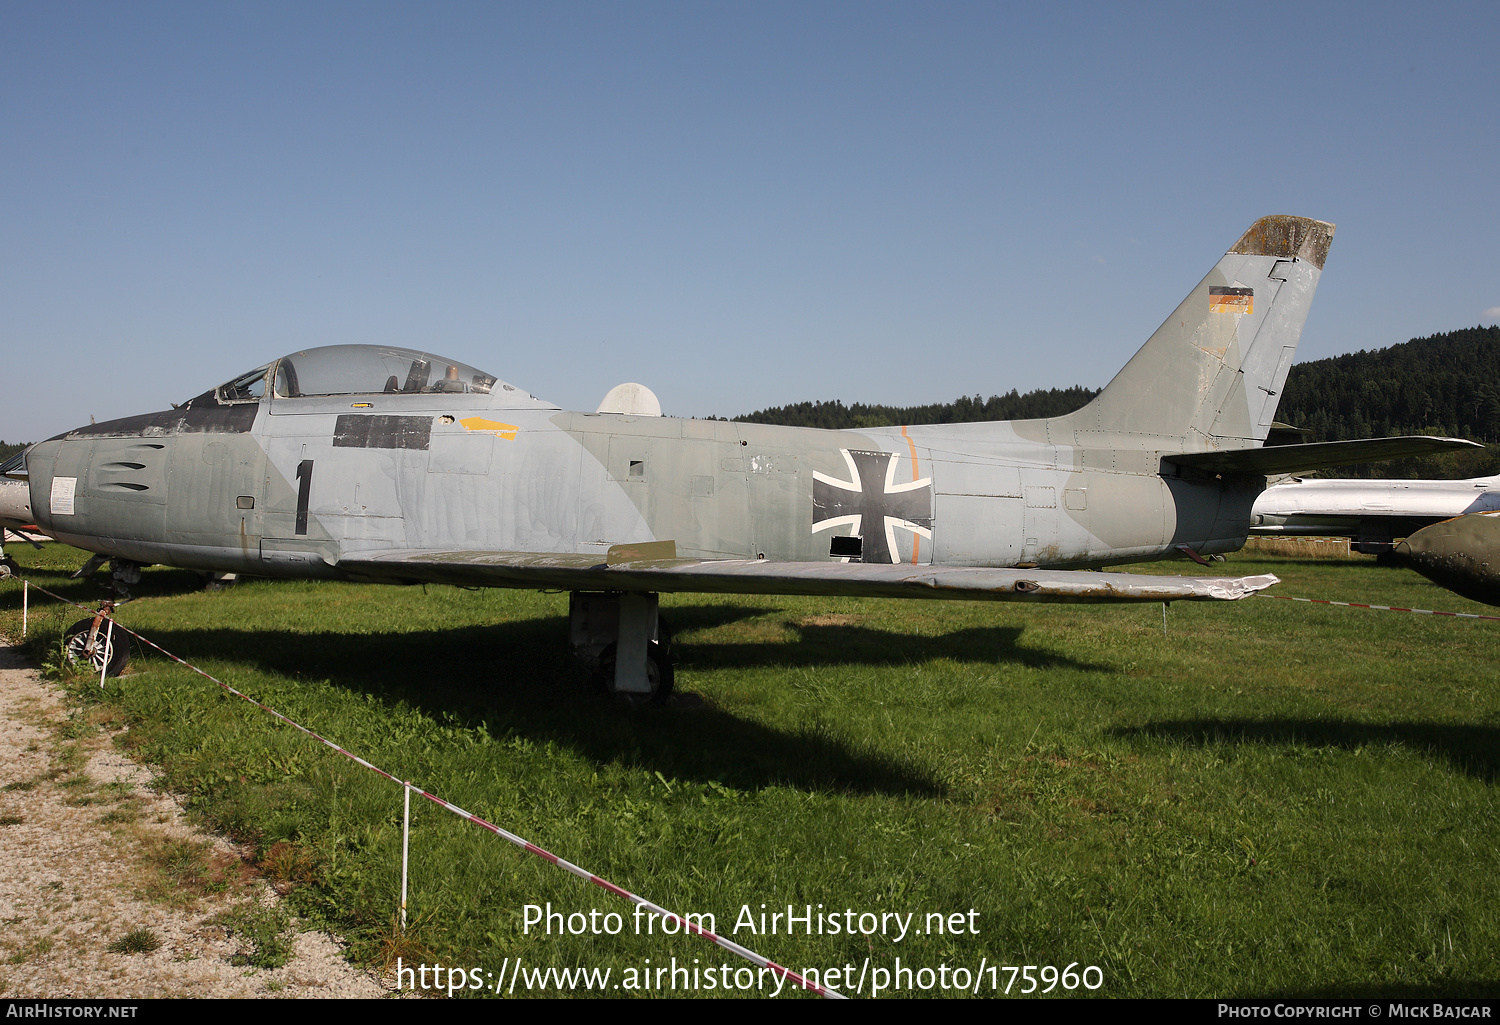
{"points": [[1211, 376]]}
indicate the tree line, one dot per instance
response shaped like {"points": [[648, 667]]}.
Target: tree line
{"points": [[1013, 405], [1446, 384]]}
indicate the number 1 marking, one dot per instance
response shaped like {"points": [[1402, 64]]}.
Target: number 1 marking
{"points": [[304, 490]]}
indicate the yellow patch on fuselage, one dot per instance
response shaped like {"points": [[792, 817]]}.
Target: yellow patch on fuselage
{"points": [[495, 427]]}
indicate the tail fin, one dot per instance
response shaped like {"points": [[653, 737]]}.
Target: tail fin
{"points": [[1211, 376]]}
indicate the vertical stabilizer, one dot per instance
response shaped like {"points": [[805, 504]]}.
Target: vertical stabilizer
{"points": [[1211, 376]]}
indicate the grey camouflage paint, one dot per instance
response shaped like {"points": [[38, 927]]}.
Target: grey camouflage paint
{"points": [[217, 486]]}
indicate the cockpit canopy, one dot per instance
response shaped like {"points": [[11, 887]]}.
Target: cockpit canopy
{"points": [[374, 369], [359, 370]]}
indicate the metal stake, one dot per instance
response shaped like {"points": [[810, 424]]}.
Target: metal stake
{"points": [[25, 604], [1164, 619], [405, 844]]}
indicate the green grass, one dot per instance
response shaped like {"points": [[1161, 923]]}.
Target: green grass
{"points": [[140, 940], [264, 934], [1275, 798]]}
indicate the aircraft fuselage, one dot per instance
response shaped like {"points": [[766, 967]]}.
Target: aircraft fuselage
{"points": [[289, 486]]}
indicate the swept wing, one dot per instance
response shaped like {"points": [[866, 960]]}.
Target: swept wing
{"points": [[653, 567]]}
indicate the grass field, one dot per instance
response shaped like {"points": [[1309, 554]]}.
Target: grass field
{"points": [[1274, 798]]}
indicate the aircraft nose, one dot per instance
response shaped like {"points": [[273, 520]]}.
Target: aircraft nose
{"points": [[1461, 554]]}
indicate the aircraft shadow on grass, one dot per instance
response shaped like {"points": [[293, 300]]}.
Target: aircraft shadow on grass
{"points": [[1474, 750], [687, 618], [822, 644], [159, 583], [859, 645], [516, 678]]}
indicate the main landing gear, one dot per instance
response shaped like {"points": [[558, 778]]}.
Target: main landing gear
{"points": [[624, 638]]}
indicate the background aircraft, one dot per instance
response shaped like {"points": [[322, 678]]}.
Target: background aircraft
{"points": [[15, 508], [1372, 513], [1461, 554], [387, 464], [1451, 532]]}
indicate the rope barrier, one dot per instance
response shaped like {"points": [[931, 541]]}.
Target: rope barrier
{"points": [[1382, 608], [526, 845], [1298, 539]]}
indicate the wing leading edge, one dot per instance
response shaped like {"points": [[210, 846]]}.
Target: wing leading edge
{"points": [[664, 574]]}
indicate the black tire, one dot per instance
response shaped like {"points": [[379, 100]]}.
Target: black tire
{"points": [[658, 672], [111, 650]]}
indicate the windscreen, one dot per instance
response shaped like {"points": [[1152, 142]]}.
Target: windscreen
{"points": [[245, 388]]}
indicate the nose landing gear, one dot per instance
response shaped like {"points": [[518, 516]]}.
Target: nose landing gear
{"points": [[96, 645]]}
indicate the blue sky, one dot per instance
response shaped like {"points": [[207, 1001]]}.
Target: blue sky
{"points": [[739, 205]]}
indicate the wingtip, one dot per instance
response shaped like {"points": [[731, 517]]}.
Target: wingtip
{"points": [[1254, 585], [1235, 588]]}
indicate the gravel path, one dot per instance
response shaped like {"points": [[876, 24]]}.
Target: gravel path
{"points": [[86, 849]]}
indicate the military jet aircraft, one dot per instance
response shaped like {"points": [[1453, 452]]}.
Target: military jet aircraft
{"points": [[1461, 554], [15, 509], [1371, 513], [385, 464]]}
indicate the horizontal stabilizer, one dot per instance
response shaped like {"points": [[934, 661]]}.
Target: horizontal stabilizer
{"points": [[865, 580], [1316, 456]]}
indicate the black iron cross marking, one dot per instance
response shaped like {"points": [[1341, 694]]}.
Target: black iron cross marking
{"points": [[871, 504]]}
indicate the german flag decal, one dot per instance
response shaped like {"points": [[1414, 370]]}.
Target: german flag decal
{"points": [[1223, 299]]}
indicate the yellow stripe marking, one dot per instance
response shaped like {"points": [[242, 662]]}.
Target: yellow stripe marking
{"points": [[495, 427]]}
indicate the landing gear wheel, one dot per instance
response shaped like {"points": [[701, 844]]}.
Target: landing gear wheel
{"points": [[8, 567], [658, 673], [219, 581], [109, 653]]}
